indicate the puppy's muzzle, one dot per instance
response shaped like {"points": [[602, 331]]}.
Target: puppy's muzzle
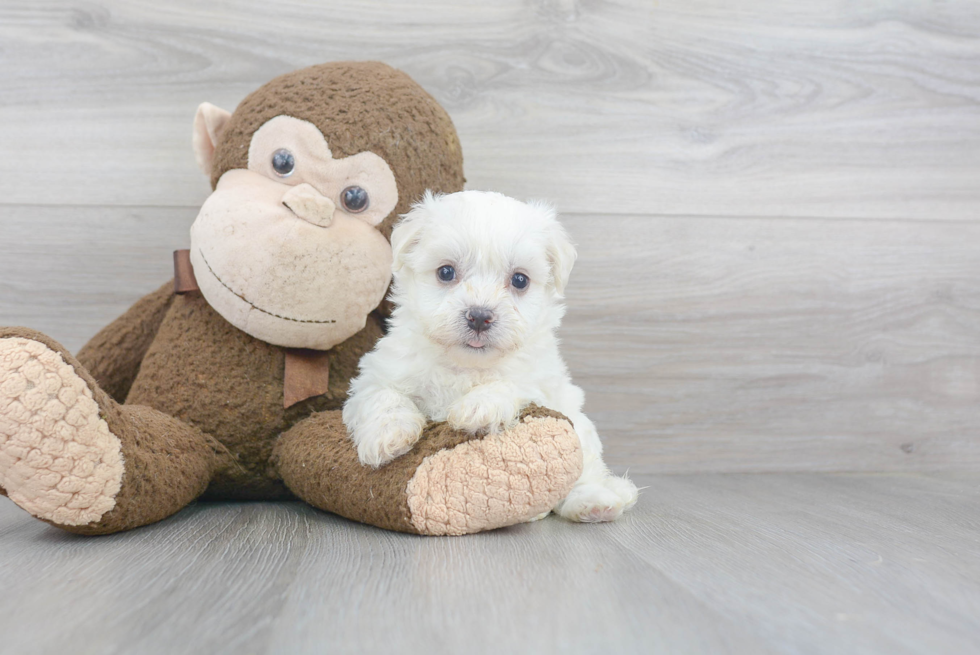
{"points": [[479, 319]]}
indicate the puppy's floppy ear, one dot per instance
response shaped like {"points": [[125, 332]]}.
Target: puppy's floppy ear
{"points": [[560, 251], [407, 232], [209, 123]]}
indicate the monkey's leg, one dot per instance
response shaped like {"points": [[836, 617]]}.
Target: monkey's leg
{"points": [[73, 457], [451, 483]]}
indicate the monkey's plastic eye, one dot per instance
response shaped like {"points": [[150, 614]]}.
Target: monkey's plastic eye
{"points": [[283, 162], [446, 273], [519, 281], [354, 199]]}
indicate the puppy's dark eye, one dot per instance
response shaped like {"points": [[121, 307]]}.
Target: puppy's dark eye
{"points": [[354, 199], [283, 162], [519, 281], [446, 273]]}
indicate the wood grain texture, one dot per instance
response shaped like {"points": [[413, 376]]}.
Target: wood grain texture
{"points": [[713, 324], [69, 271], [757, 344], [710, 344], [778, 215], [708, 107], [801, 563]]}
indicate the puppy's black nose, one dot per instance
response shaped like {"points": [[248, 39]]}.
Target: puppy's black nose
{"points": [[479, 318]]}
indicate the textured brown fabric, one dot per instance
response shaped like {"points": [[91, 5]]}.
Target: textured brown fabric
{"points": [[307, 375], [113, 355], [358, 106], [204, 401], [319, 464], [167, 463], [209, 374], [184, 279]]}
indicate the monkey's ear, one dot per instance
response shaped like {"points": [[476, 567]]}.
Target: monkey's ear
{"points": [[209, 123]]}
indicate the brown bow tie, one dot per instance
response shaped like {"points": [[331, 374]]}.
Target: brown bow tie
{"points": [[307, 371]]}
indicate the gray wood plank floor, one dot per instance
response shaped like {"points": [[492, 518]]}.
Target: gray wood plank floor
{"points": [[777, 206], [708, 563]]}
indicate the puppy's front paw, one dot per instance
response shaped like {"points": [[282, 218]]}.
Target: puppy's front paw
{"points": [[596, 502], [484, 410], [381, 440]]}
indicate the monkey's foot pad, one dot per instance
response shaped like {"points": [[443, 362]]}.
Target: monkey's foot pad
{"points": [[496, 481], [58, 459]]}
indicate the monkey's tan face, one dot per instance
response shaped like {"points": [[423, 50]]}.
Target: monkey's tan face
{"points": [[287, 251]]}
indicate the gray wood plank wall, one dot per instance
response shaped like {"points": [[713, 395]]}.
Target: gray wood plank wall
{"points": [[776, 203]]}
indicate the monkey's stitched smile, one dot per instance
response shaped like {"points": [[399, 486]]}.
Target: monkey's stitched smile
{"points": [[253, 305]]}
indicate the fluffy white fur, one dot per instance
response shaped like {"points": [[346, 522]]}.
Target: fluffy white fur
{"points": [[432, 365]]}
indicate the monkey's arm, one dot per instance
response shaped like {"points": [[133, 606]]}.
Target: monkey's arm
{"points": [[113, 356], [451, 482]]}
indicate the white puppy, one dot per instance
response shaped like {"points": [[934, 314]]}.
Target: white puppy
{"points": [[478, 286]]}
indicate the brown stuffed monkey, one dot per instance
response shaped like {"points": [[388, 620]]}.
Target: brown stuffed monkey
{"points": [[227, 382]]}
